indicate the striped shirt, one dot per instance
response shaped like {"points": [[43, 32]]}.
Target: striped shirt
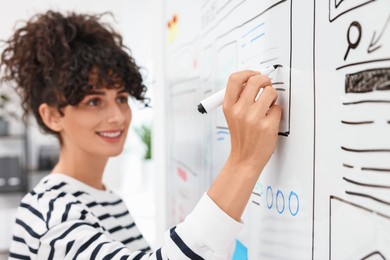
{"points": [[63, 218]]}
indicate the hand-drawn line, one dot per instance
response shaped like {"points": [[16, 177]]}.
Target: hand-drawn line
{"points": [[367, 196], [330, 229], [388, 121], [336, 5], [362, 62], [365, 150], [348, 166], [255, 193], [357, 122], [223, 132], [373, 254], [257, 37], [184, 193], [255, 202], [222, 127], [332, 197], [251, 30], [285, 134], [207, 91], [375, 41], [375, 169], [366, 184], [277, 83], [368, 80], [366, 101], [290, 66], [314, 98], [223, 6], [346, 11], [185, 166], [265, 61]]}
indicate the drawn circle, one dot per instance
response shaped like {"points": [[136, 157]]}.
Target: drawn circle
{"points": [[358, 27], [293, 194], [357, 33], [269, 190], [279, 193]]}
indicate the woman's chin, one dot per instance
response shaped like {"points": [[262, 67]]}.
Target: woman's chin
{"points": [[113, 152]]}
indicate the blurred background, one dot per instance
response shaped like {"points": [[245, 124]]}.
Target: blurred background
{"points": [[26, 155]]}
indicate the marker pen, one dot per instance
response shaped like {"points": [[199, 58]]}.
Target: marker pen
{"points": [[215, 100]]}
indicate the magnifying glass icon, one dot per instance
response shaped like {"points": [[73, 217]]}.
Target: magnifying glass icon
{"points": [[353, 45]]}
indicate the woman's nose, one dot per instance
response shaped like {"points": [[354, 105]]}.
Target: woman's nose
{"points": [[116, 114]]}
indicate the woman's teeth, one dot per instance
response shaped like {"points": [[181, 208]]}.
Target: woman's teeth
{"points": [[110, 134]]}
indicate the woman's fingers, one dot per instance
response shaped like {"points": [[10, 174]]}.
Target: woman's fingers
{"points": [[252, 88], [275, 113], [253, 124], [235, 86], [267, 99], [242, 89]]}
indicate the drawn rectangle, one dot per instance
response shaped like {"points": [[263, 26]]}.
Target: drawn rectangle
{"points": [[355, 233], [338, 8], [368, 80]]}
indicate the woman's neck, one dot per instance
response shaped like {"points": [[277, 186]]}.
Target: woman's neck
{"points": [[87, 168]]}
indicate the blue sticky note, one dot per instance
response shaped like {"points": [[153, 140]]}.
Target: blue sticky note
{"points": [[241, 252]]}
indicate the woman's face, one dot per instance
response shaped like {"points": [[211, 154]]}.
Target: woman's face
{"points": [[98, 125]]}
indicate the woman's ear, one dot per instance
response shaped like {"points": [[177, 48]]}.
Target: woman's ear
{"points": [[51, 117]]}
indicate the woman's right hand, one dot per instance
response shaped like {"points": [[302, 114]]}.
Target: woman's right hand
{"points": [[253, 124]]}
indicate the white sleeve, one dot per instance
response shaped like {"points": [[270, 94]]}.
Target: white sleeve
{"points": [[206, 233]]}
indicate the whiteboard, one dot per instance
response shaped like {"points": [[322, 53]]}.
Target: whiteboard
{"points": [[325, 193]]}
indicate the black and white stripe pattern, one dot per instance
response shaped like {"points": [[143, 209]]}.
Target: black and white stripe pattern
{"points": [[64, 218]]}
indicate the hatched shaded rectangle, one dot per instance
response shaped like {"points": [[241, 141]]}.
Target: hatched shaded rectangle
{"points": [[368, 81]]}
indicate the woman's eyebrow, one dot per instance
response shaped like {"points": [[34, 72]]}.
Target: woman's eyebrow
{"points": [[122, 90], [96, 92]]}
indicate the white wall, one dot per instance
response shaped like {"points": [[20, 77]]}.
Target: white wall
{"points": [[138, 25]]}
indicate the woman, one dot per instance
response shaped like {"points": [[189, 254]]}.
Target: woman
{"points": [[75, 76]]}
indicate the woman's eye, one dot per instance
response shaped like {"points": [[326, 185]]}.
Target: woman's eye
{"points": [[93, 102], [122, 99]]}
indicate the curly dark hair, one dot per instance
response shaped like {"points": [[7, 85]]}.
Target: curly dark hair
{"points": [[51, 57]]}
